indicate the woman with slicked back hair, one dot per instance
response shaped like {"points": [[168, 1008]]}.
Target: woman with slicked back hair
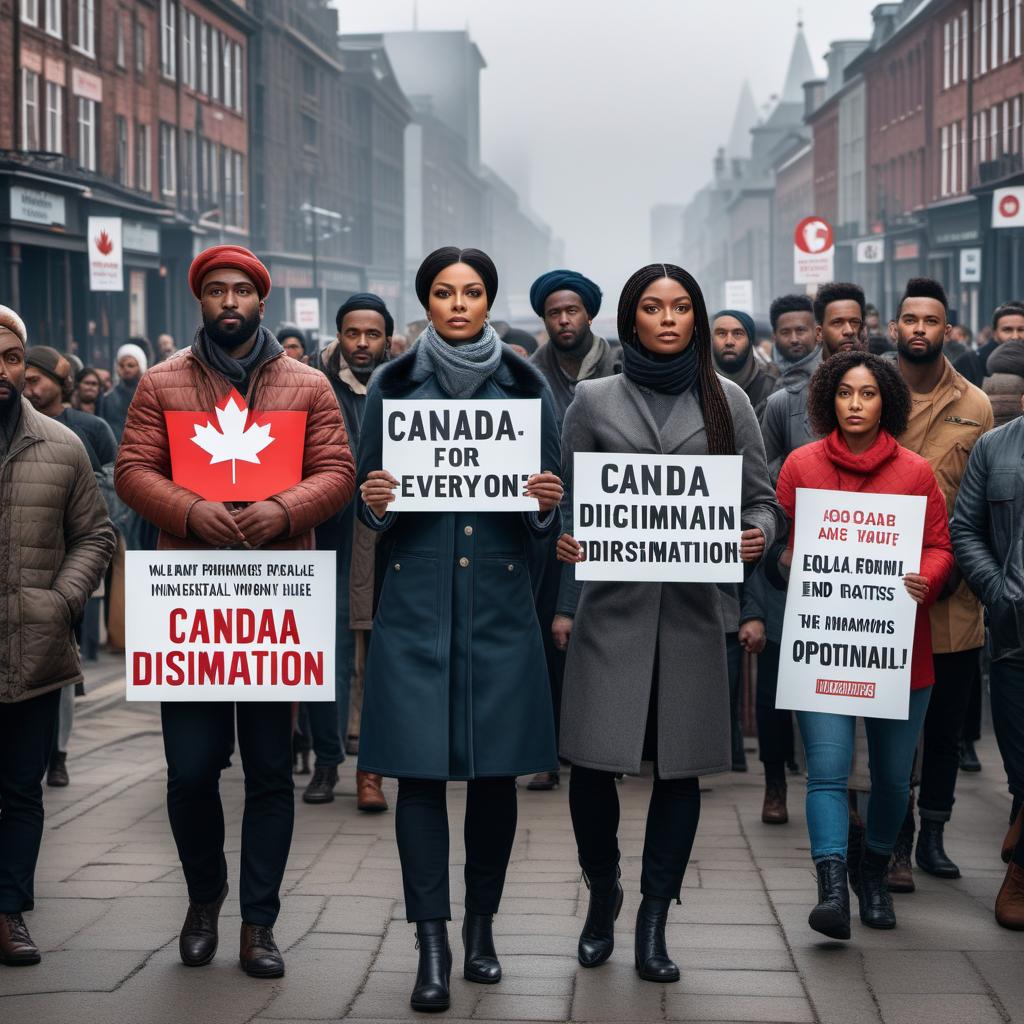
{"points": [[646, 676]]}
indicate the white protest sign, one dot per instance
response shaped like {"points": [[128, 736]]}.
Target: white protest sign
{"points": [[230, 625], [106, 256], [849, 630], [472, 456], [658, 518]]}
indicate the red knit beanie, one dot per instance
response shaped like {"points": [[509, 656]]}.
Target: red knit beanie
{"points": [[235, 256]]}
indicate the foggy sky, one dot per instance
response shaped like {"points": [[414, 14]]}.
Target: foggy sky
{"points": [[594, 117]]}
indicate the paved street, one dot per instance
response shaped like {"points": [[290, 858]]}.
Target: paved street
{"points": [[110, 900]]}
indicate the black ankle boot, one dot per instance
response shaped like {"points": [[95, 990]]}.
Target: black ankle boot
{"points": [[597, 940], [652, 959], [831, 916], [481, 964], [435, 969], [931, 854], [876, 909]]}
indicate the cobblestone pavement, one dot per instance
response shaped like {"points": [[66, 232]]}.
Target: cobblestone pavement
{"points": [[111, 898]]}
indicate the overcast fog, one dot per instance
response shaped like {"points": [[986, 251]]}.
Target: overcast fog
{"points": [[597, 110]]}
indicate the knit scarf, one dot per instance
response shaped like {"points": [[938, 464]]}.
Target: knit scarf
{"points": [[861, 463], [236, 371], [671, 375], [460, 369]]}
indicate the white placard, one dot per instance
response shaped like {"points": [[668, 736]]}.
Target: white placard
{"points": [[230, 625], [740, 295], [307, 314], [658, 518], [472, 456], [849, 631], [970, 266], [106, 254]]}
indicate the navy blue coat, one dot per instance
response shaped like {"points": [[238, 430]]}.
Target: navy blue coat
{"points": [[456, 680]]}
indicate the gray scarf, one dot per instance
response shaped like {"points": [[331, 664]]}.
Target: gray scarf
{"points": [[237, 371], [460, 369], [796, 372]]}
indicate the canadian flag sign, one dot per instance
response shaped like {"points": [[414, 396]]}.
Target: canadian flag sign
{"points": [[1008, 208], [236, 455], [106, 258]]}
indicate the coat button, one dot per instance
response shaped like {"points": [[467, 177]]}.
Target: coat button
{"points": [[464, 562], [398, 565], [511, 567], [468, 531]]}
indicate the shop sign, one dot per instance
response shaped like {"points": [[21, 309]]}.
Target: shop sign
{"points": [[36, 207], [139, 237], [970, 266], [871, 251]]}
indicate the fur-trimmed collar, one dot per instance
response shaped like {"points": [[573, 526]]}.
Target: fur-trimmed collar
{"points": [[513, 372]]}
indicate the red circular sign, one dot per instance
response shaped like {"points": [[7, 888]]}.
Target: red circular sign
{"points": [[813, 236], [1009, 206]]}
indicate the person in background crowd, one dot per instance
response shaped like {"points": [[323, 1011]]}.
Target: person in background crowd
{"points": [[1007, 325], [53, 510], [839, 316], [131, 365], [986, 530], [105, 380], [460, 693], [960, 352], [364, 327], [646, 672], [873, 320], [879, 345], [861, 405], [165, 347], [88, 392], [567, 302], [1004, 384], [232, 350], [399, 344], [293, 341], [947, 416]]}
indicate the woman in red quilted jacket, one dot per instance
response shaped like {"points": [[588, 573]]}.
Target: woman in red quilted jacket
{"points": [[860, 404]]}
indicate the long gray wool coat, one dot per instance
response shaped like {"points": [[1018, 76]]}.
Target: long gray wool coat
{"points": [[618, 627]]}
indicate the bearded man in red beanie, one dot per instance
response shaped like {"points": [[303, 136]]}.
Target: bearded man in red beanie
{"points": [[232, 352]]}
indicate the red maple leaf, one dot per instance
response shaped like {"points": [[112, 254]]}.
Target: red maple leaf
{"points": [[104, 244]]}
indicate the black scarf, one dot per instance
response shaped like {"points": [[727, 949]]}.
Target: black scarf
{"points": [[237, 371], [671, 374]]}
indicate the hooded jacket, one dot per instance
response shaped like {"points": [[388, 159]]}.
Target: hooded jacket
{"points": [[1005, 383]]}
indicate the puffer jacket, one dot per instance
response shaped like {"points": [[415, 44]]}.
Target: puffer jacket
{"points": [[55, 543], [185, 383]]}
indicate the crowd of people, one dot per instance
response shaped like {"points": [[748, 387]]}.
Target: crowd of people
{"points": [[466, 648]]}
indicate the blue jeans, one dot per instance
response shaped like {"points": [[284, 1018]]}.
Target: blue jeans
{"points": [[328, 721], [828, 742]]}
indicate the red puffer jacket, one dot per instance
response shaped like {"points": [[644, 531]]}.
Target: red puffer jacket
{"points": [[885, 468], [142, 474]]}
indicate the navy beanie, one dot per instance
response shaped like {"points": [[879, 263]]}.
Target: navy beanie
{"points": [[367, 300], [565, 280]]}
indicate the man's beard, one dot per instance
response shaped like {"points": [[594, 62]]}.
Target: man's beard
{"points": [[928, 356], [579, 346], [229, 339], [730, 362], [10, 400]]}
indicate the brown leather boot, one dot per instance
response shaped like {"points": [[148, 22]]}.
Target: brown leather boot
{"points": [[1010, 901], [774, 811], [369, 796], [16, 946], [258, 954], [1012, 838], [197, 942]]}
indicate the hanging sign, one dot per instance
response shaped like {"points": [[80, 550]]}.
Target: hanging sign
{"points": [[106, 255]]}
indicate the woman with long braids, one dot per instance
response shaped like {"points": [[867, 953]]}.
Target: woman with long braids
{"points": [[456, 679], [646, 676]]}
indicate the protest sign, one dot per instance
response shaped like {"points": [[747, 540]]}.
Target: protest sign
{"points": [[230, 625], [849, 630], [658, 518], [462, 456]]}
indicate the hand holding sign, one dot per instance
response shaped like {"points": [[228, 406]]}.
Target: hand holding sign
{"points": [[569, 550], [213, 524], [917, 587], [378, 491], [547, 489], [751, 545], [261, 522]]}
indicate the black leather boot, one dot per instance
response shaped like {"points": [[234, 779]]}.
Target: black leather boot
{"points": [[831, 916], [969, 757], [931, 854], [434, 973], [876, 910], [597, 940], [197, 942], [481, 964], [652, 959]]}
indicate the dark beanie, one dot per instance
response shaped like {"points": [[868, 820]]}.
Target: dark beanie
{"points": [[367, 300], [49, 361], [449, 255], [745, 319], [569, 281]]}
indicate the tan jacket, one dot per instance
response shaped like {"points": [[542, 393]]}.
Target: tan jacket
{"points": [[55, 542], [943, 428]]}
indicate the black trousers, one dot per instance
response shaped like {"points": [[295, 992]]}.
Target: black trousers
{"points": [[972, 717], [421, 828], [1006, 688], [547, 572], [672, 819], [198, 742], [955, 676], [27, 731], [774, 728]]}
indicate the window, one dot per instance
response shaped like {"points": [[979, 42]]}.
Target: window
{"points": [[143, 156], [981, 21], [947, 54], [204, 58], [83, 27], [140, 47], [954, 149], [1017, 4], [1015, 139], [119, 46], [1006, 126], [54, 118], [29, 110], [994, 24], [965, 48], [86, 133], [229, 190], [168, 160], [993, 122], [239, 105], [310, 131], [944, 162], [240, 218], [188, 50], [229, 74], [54, 18], [215, 58], [30, 12], [188, 170], [954, 62], [121, 166], [168, 55], [1006, 31], [963, 155]]}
